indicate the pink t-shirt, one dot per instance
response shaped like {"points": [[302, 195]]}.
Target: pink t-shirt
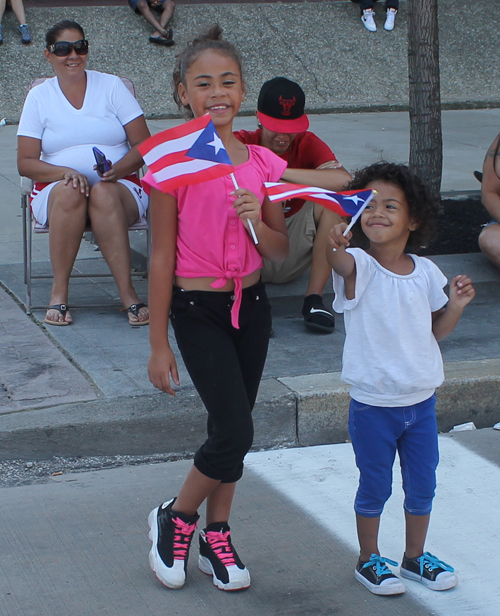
{"points": [[211, 239]]}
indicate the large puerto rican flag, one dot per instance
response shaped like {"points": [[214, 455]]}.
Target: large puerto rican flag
{"points": [[187, 154], [346, 203]]}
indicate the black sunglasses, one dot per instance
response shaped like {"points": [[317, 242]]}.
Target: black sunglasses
{"points": [[63, 48]]}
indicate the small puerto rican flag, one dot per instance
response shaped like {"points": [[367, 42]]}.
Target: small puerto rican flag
{"points": [[346, 203], [187, 154]]}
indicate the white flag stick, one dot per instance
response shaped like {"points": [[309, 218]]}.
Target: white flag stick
{"points": [[358, 213], [250, 225]]}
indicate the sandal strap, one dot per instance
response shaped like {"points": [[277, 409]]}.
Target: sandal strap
{"points": [[62, 308], [134, 308]]}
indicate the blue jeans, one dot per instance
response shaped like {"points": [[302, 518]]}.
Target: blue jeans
{"points": [[377, 433]]}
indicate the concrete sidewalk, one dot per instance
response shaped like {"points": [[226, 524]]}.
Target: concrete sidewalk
{"points": [[77, 544]]}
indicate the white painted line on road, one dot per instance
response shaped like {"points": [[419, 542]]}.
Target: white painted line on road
{"points": [[465, 524]]}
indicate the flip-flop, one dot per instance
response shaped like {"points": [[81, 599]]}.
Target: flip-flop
{"points": [[62, 309], [134, 309]]}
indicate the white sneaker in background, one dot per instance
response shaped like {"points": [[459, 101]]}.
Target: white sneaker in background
{"points": [[368, 21], [389, 20]]}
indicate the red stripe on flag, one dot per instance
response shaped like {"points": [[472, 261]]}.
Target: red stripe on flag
{"points": [[173, 133], [170, 159], [196, 177]]}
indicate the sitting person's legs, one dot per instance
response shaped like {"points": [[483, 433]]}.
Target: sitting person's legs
{"points": [[489, 243], [66, 217], [307, 231], [321, 272], [301, 233], [161, 35], [18, 10], [112, 209]]}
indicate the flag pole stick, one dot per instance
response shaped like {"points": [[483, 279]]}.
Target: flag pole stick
{"points": [[250, 225]]}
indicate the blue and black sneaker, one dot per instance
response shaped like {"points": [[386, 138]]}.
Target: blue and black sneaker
{"points": [[429, 571], [377, 577], [24, 31]]}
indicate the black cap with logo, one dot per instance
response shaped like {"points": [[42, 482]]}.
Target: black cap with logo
{"points": [[280, 106]]}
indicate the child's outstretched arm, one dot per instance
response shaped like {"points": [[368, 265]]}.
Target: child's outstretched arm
{"points": [[445, 320], [339, 260], [271, 230], [163, 218]]}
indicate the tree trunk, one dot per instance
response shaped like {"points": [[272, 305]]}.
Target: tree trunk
{"points": [[426, 142]]}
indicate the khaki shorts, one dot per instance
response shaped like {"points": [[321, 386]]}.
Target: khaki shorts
{"points": [[301, 233]]}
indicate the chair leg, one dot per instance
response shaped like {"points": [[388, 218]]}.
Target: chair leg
{"points": [[148, 249], [29, 257], [25, 233]]}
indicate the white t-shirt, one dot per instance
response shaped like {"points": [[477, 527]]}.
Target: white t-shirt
{"points": [[391, 357], [68, 134]]}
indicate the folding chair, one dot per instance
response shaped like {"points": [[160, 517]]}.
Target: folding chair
{"points": [[31, 226]]}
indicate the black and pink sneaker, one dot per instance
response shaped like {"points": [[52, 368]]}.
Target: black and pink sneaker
{"points": [[171, 533], [219, 559]]}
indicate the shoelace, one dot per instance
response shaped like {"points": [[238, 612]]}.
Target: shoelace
{"points": [[432, 562], [182, 537], [380, 564], [220, 544]]}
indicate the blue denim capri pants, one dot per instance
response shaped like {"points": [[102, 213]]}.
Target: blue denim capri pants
{"points": [[377, 433]]}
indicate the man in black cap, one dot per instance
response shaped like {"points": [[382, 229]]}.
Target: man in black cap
{"points": [[283, 129]]}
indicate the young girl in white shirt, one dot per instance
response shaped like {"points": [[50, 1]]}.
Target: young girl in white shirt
{"points": [[395, 310]]}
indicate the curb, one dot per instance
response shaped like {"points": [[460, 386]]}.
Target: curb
{"points": [[290, 412]]}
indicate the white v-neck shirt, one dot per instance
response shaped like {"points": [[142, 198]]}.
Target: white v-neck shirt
{"points": [[68, 134], [391, 357]]}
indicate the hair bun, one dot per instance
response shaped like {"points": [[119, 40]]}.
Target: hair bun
{"points": [[213, 34]]}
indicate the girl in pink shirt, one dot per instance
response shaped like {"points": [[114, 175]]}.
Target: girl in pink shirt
{"points": [[205, 272]]}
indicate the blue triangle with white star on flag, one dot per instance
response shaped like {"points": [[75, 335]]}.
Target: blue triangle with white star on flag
{"points": [[209, 146]]}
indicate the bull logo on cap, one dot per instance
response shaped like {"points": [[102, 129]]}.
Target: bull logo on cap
{"points": [[287, 104]]}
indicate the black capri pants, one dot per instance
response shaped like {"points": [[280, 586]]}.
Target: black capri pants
{"points": [[226, 366]]}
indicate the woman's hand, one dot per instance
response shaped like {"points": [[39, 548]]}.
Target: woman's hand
{"points": [[108, 176], [160, 367], [78, 181], [247, 206]]}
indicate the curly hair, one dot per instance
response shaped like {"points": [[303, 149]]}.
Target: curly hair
{"points": [[422, 204], [210, 40], [58, 28]]}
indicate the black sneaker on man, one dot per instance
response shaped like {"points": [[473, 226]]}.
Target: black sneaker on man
{"points": [[219, 559], [171, 533], [429, 571], [377, 577], [316, 316]]}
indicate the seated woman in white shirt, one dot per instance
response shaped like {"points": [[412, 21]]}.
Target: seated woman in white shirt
{"points": [[62, 119]]}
